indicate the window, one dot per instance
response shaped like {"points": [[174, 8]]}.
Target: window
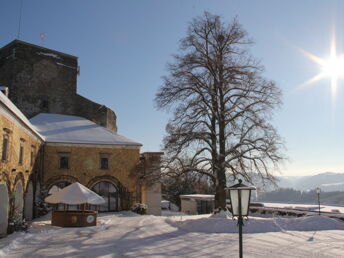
{"points": [[45, 104], [5, 144], [104, 160], [21, 151], [104, 163], [32, 155], [64, 160], [110, 194]]}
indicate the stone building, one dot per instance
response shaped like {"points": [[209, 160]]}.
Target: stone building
{"points": [[77, 149], [67, 139], [20, 165], [42, 80]]}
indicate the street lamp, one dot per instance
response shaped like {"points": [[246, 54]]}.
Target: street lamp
{"points": [[240, 195], [318, 190]]}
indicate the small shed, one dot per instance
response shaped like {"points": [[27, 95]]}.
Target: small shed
{"points": [[197, 203], [74, 194]]}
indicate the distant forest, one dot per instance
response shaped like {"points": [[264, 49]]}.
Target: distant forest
{"points": [[289, 195]]}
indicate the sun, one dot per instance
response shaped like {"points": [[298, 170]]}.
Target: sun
{"points": [[334, 67], [331, 67]]}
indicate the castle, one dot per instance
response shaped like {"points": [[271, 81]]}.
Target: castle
{"points": [[42, 80], [52, 136]]}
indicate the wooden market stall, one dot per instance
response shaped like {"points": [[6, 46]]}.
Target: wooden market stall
{"points": [[80, 198]]}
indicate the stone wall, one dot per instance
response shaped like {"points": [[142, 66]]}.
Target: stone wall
{"points": [[42, 80], [15, 175], [84, 166], [18, 134], [151, 186]]}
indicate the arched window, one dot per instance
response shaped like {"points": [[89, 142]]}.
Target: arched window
{"points": [[62, 184], [109, 192]]}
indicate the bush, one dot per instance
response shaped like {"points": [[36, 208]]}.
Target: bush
{"points": [[140, 208]]}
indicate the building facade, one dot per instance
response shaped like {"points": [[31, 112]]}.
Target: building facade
{"points": [[67, 139], [20, 165], [78, 150]]}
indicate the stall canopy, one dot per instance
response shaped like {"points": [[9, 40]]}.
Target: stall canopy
{"points": [[54, 189], [74, 194]]}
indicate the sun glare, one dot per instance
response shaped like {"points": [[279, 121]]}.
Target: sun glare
{"points": [[332, 68]]}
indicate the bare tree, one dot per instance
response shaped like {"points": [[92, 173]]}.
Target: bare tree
{"points": [[222, 107]]}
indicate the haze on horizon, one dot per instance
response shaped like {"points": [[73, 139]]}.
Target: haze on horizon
{"points": [[123, 48]]}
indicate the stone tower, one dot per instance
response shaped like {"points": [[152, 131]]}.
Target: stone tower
{"points": [[42, 80]]}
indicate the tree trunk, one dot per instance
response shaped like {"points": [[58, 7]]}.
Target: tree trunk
{"points": [[220, 196]]}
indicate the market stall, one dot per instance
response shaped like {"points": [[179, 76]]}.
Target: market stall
{"points": [[76, 200]]}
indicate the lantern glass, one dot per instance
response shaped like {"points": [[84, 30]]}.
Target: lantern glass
{"points": [[245, 201], [317, 190]]}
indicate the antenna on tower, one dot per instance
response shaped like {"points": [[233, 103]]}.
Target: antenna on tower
{"points": [[20, 17]]}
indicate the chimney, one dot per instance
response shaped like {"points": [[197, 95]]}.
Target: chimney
{"points": [[4, 90]]}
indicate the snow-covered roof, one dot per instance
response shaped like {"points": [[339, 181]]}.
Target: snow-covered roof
{"points": [[198, 196], [20, 42], [18, 114], [57, 128], [75, 193]]}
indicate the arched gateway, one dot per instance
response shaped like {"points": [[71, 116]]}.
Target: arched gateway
{"points": [[110, 193], [18, 201]]}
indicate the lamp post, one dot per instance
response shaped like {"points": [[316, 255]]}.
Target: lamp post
{"points": [[240, 195], [318, 190]]}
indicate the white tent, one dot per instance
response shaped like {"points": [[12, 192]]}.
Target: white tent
{"points": [[54, 189], [74, 194]]}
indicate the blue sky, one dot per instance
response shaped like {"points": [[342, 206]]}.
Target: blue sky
{"points": [[123, 48]]}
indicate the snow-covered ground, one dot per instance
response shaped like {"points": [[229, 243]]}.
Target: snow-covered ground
{"points": [[325, 208], [125, 234]]}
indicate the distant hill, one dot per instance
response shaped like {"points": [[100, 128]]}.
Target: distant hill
{"points": [[328, 182], [288, 195]]}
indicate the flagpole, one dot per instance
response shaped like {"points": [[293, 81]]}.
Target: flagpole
{"points": [[20, 18]]}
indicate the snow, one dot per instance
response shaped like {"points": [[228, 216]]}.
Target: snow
{"points": [[333, 184], [125, 234], [8, 103], [198, 196], [61, 64], [326, 208], [57, 128], [75, 193], [49, 54], [167, 205], [54, 189], [259, 225]]}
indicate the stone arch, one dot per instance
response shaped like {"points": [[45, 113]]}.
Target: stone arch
{"points": [[107, 178], [19, 177], [111, 189], [5, 179], [55, 179], [28, 201], [4, 206], [18, 200]]}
